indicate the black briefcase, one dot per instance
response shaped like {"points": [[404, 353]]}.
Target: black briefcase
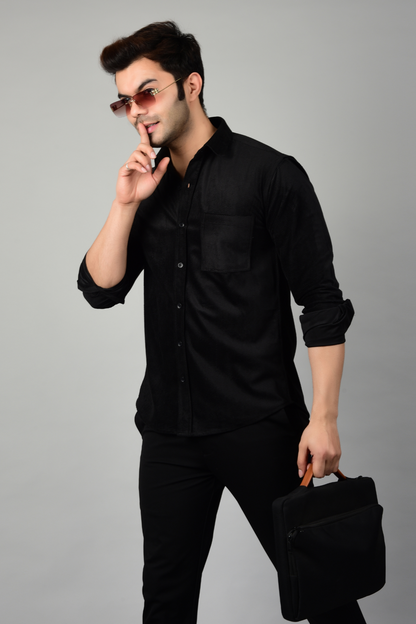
{"points": [[330, 545]]}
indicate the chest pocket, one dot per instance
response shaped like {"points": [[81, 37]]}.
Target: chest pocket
{"points": [[226, 242]]}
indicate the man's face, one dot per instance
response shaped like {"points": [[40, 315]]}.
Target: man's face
{"points": [[167, 118]]}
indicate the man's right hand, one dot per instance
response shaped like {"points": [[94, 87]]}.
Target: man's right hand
{"points": [[138, 181]]}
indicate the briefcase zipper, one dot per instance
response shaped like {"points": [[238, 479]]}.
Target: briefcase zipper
{"points": [[296, 530]]}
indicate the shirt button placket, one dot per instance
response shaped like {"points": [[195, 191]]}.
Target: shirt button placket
{"points": [[181, 324], [181, 308]]}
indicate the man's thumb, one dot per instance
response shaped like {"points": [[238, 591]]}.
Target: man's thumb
{"points": [[160, 171]]}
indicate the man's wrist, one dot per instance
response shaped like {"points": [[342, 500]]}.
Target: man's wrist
{"points": [[129, 207], [324, 414]]}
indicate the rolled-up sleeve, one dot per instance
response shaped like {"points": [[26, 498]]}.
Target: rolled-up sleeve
{"points": [[327, 327], [304, 252], [99, 297]]}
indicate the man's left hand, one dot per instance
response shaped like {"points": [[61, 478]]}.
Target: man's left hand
{"points": [[320, 440]]}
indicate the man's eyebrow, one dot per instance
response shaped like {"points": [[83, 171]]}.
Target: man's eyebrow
{"points": [[139, 88]]}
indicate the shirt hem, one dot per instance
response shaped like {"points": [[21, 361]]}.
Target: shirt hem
{"points": [[144, 427]]}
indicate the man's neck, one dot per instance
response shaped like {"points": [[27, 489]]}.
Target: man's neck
{"points": [[199, 131]]}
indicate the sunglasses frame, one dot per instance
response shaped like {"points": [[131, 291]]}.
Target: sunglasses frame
{"points": [[119, 108]]}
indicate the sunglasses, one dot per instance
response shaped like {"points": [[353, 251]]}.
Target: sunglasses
{"points": [[144, 98]]}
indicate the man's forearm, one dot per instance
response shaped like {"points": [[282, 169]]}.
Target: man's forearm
{"points": [[107, 257], [320, 438], [326, 366]]}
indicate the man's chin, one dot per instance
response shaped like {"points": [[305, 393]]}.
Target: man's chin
{"points": [[154, 142]]}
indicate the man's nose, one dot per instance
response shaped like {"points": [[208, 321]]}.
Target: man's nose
{"points": [[136, 109]]}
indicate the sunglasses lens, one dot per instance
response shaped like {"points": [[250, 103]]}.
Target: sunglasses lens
{"points": [[119, 108], [144, 98]]}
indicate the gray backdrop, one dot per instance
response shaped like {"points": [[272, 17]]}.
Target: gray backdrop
{"points": [[331, 82]]}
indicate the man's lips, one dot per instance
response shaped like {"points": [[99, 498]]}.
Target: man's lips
{"points": [[151, 126]]}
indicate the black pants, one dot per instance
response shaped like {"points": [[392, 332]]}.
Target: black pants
{"points": [[181, 483]]}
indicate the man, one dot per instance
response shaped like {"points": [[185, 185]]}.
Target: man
{"points": [[224, 228]]}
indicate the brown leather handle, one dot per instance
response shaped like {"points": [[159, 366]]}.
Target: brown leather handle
{"points": [[309, 474]]}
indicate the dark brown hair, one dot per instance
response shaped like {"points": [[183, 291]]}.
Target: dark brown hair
{"points": [[163, 42]]}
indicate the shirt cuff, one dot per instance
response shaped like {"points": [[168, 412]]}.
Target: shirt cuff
{"points": [[97, 296], [324, 328]]}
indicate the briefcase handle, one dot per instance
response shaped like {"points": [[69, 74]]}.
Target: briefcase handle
{"points": [[309, 474]]}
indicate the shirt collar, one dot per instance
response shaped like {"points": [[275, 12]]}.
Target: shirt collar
{"points": [[219, 142], [222, 138]]}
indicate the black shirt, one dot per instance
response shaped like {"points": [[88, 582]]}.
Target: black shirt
{"points": [[221, 250]]}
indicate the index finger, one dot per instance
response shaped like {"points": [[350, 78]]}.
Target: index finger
{"points": [[144, 137]]}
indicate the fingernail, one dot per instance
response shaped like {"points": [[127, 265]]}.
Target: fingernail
{"points": [[300, 473], [144, 170], [153, 155]]}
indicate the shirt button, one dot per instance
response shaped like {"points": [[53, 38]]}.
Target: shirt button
{"points": [[181, 224], [180, 343], [179, 305], [180, 265], [182, 379]]}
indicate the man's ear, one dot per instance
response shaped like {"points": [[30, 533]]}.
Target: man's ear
{"points": [[193, 86]]}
